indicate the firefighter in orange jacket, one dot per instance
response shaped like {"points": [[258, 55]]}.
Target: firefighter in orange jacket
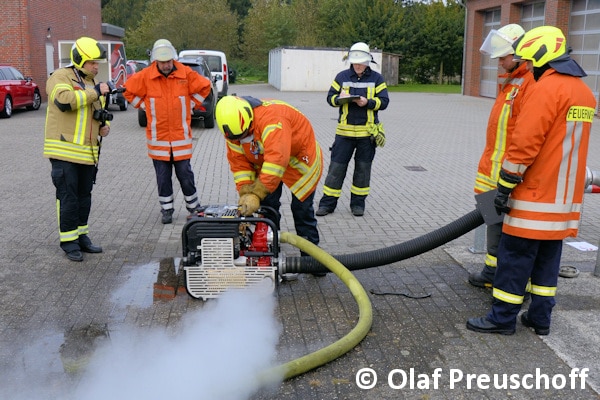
{"points": [[541, 184], [501, 123], [168, 90], [271, 143]]}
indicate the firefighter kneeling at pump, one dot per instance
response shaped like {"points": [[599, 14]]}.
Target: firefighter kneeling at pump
{"points": [[270, 143]]}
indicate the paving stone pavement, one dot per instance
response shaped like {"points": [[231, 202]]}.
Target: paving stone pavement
{"points": [[421, 180]]}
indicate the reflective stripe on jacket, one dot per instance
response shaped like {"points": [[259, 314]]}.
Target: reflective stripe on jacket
{"points": [[281, 147], [500, 126], [354, 121], [71, 133], [168, 105], [549, 149]]}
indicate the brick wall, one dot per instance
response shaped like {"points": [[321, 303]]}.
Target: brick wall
{"points": [[25, 26], [556, 13]]}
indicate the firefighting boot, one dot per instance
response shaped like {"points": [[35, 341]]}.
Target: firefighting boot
{"points": [[167, 216]]}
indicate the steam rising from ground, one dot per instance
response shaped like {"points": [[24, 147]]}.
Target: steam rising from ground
{"points": [[218, 353]]}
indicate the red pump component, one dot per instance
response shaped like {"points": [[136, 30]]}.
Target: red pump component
{"points": [[259, 243]]}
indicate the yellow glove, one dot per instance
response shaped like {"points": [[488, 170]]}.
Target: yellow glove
{"points": [[380, 139], [248, 204], [245, 189], [259, 189], [378, 134], [256, 187]]}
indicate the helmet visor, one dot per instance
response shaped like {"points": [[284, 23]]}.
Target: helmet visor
{"points": [[497, 45], [359, 57]]}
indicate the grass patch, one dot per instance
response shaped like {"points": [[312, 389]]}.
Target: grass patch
{"points": [[244, 80], [422, 88]]}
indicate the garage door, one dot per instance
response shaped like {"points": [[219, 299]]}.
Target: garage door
{"points": [[584, 39]]}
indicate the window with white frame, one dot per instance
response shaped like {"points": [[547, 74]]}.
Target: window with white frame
{"points": [[489, 67], [532, 15]]}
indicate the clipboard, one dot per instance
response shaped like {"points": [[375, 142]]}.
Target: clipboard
{"points": [[347, 99]]}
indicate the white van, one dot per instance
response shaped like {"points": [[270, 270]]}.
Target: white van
{"points": [[217, 62]]}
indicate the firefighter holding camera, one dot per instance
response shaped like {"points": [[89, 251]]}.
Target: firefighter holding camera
{"points": [[72, 141]]}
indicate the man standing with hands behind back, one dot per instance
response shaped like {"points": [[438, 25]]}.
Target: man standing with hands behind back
{"points": [[168, 90], [72, 142]]}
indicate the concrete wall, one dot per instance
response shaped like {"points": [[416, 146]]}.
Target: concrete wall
{"points": [[309, 69]]}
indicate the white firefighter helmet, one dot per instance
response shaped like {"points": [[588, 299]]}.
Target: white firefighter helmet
{"points": [[163, 50], [498, 43], [360, 54]]}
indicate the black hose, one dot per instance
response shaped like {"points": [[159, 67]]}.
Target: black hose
{"points": [[392, 254]]}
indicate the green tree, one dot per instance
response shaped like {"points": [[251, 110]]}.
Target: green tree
{"points": [[305, 16], [444, 27], [240, 7], [188, 24], [432, 41], [377, 23], [112, 12], [428, 34], [270, 24]]}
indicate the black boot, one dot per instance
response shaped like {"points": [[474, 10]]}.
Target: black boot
{"points": [[482, 325], [167, 216]]}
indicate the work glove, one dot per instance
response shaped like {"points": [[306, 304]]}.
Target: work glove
{"points": [[250, 197], [506, 184], [380, 139], [501, 202], [248, 204], [377, 134], [258, 189], [245, 189]]}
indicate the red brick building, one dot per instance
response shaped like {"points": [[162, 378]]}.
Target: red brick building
{"points": [[578, 19], [30, 31]]}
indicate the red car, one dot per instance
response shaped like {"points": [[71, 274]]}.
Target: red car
{"points": [[16, 91]]}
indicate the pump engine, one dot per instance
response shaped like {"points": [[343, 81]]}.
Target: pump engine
{"points": [[222, 251]]}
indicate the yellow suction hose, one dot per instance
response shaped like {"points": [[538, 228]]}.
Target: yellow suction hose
{"points": [[345, 344]]}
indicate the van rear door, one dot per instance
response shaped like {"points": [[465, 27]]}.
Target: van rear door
{"points": [[217, 62]]}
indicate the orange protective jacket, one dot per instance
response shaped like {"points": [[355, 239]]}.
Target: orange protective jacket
{"points": [[281, 147], [168, 102], [500, 126], [549, 149]]}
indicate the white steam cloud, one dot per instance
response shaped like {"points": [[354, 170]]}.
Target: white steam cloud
{"points": [[219, 354]]}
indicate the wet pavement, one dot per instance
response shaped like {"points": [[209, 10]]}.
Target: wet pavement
{"points": [[55, 314]]}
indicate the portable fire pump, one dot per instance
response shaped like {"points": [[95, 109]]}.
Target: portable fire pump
{"points": [[223, 251]]}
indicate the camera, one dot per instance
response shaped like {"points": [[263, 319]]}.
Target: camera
{"points": [[102, 116]]}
